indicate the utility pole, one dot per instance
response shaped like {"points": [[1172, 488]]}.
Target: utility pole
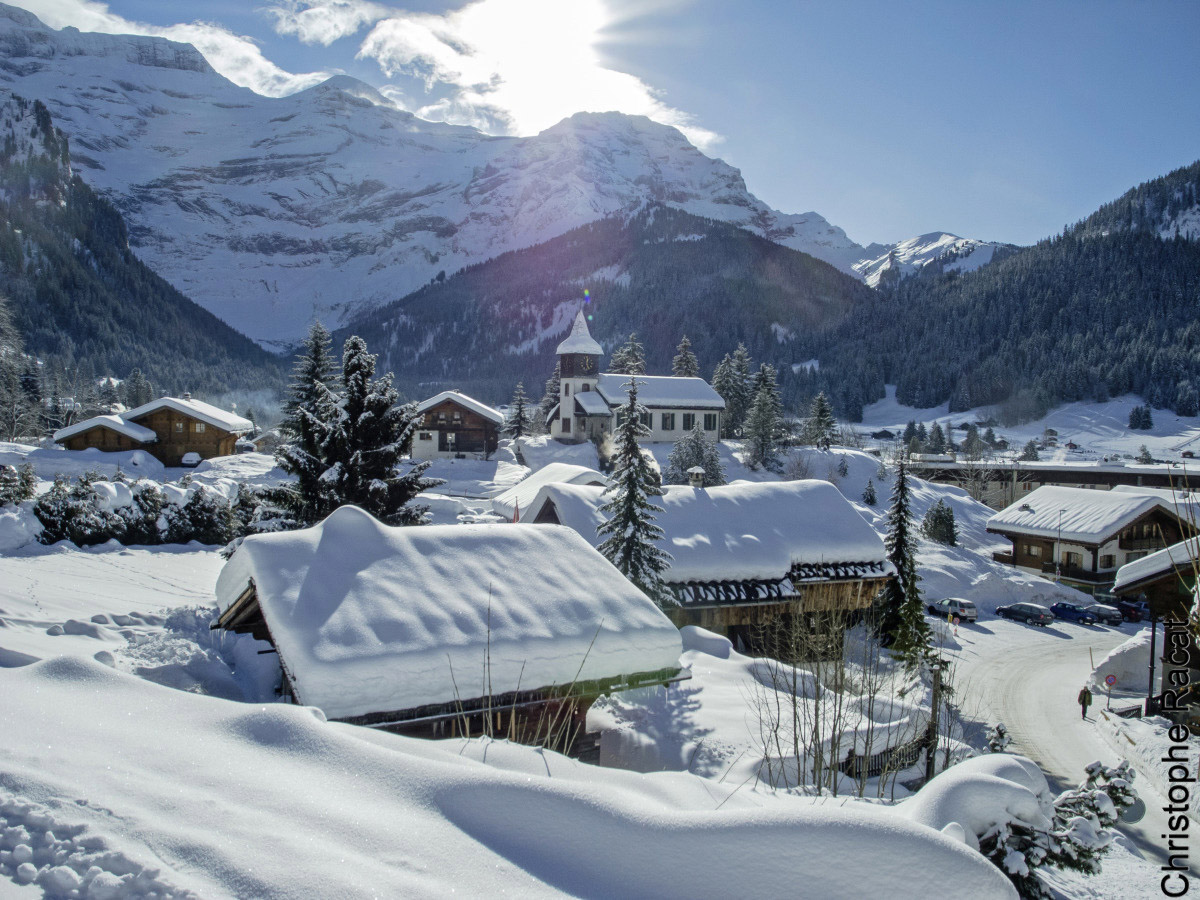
{"points": [[931, 736], [1151, 702], [1058, 550]]}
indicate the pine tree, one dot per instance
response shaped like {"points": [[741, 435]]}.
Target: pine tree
{"points": [[1144, 455], [691, 450], [723, 384], [821, 426], [519, 423], [910, 432], [937, 439], [363, 434], [629, 358], [1030, 452], [938, 524], [629, 533], [764, 423], [972, 444], [550, 397], [901, 619], [110, 398], [685, 364], [868, 494], [18, 417], [136, 390], [742, 389], [304, 413]]}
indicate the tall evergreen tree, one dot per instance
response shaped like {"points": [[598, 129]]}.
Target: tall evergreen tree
{"points": [[723, 384], [937, 439], [938, 524], [305, 413], [743, 390], [630, 535], [136, 390], [1030, 452], [363, 434], [629, 358], [691, 450], [901, 619], [685, 364], [18, 417], [519, 421], [821, 426], [550, 397], [764, 423]]}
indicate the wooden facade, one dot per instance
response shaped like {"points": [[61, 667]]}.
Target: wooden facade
{"points": [[459, 429], [179, 434], [104, 438]]}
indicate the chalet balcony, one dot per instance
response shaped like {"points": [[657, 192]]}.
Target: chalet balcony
{"points": [[1076, 573], [1007, 558], [1148, 545]]}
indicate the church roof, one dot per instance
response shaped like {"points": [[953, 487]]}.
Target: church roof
{"points": [[580, 339], [661, 391]]}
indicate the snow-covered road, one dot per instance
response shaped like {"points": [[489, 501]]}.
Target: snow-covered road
{"points": [[1029, 678]]}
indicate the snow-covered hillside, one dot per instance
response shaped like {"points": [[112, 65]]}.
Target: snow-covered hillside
{"points": [[265, 210], [955, 253]]}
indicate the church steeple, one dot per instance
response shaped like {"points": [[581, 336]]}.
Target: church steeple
{"points": [[579, 355]]}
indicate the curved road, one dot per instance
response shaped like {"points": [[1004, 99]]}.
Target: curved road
{"points": [[1028, 678]]}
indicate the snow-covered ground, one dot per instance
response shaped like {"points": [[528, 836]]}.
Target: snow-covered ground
{"points": [[90, 638], [1100, 429]]}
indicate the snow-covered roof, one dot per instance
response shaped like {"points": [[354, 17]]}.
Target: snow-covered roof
{"points": [[197, 409], [369, 618], [463, 400], [592, 404], [113, 423], [1177, 557], [1087, 516], [661, 391], [740, 531], [522, 493], [580, 339], [1185, 502]]}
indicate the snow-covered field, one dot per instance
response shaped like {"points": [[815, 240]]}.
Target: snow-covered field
{"points": [[143, 752], [1100, 429]]}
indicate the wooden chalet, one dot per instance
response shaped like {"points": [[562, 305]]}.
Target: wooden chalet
{"points": [[447, 630], [455, 425], [1165, 578], [746, 557], [1082, 537], [168, 429]]}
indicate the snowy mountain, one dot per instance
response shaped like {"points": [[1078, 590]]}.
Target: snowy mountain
{"points": [[1166, 206], [268, 210], [950, 252]]}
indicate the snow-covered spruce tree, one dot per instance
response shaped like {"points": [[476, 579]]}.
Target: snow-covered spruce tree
{"points": [[1029, 453], [1144, 455], [629, 358], [901, 619], [136, 390], [304, 414], [764, 423], [363, 434], [999, 738], [1083, 817], [18, 417], [937, 439], [550, 397], [868, 494], [685, 364], [519, 422], [17, 485], [723, 384], [938, 524], [629, 533], [691, 450], [821, 426]]}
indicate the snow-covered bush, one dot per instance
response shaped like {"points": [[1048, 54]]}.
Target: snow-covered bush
{"points": [[999, 738], [17, 485]]}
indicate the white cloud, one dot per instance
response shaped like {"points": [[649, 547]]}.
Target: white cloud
{"points": [[236, 57], [324, 21], [505, 66]]}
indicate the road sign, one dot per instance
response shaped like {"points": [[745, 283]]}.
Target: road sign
{"points": [[1135, 812], [1110, 680]]}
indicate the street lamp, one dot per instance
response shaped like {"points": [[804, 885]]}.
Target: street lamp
{"points": [[1058, 550]]}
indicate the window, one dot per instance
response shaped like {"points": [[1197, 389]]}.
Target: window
{"points": [[1108, 561], [1070, 558], [1033, 550], [585, 388], [424, 436], [689, 421], [179, 427], [199, 427], [566, 390], [668, 421], [710, 421], [646, 420], [566, 425]]}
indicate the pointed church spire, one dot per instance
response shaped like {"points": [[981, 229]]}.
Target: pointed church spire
{"points": [[580, 339]]}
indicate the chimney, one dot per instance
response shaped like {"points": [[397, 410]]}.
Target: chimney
{"points": [[696, 476], [187, 395]]}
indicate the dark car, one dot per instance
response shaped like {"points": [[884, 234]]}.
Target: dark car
{"points": [[1032, 613], [1073, 612], [1109, 615], [1132, 611]]}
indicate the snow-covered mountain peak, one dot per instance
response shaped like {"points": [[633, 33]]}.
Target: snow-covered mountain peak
{"points": [[23, 35], [949, 251]]}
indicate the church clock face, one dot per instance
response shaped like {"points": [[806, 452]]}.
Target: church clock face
{"points": [[587, 365]]}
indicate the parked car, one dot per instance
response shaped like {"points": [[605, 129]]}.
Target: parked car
{"points": [[1109, 615], [1073, 612], [190, 460], [961, 609], [1032, 613], [1132, 610]]}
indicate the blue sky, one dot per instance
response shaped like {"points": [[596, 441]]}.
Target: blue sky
{"points": [[1001, 121]]}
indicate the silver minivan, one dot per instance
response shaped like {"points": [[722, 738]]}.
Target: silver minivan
{"points": [[963, 610]]}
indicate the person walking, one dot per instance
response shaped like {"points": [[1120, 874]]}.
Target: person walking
{"points": [[1085, 700]]}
